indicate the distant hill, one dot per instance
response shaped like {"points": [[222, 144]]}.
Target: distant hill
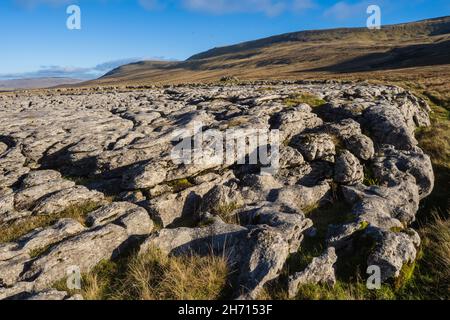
{"points": [[303, 54], [34, 83]]}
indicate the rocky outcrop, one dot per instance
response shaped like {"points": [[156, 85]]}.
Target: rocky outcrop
{"points": [[153, 156]]}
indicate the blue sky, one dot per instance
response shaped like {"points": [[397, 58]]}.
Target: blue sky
{"points": [[35, 41]]}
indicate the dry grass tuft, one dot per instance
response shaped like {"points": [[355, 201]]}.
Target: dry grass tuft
{"points": [[436, 241], [227, 212], [157, 276]]}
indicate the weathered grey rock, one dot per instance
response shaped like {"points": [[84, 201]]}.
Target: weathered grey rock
{"points": [[290, 157], [85, 251], [132, 196], [12, 167], [315, 146], [12, 266], [379, 205], [301, 197], [48, 295], [134, 218], [13, 215], [258, 252], [361, 146], [144, 176], [294, 120], [413, 162], [123, 140], [169, 207], [6, 203], [262, 254], [43, 237], [11, 177], [348, 169], [35, 178], [261, 182], [393, 251], [320, 270], [343, 129], [28, 198], [290, 223], [216, 236], [3, 147], [222, 199], [388, 126], [66, 198], [15, 291], [137, 222]]}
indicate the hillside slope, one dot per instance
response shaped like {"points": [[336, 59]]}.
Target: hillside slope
{"points": [[303, 54]]}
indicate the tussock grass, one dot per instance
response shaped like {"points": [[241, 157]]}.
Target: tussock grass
{"points": [[156, 276], [430, 278], [227, 213], [435, 140], [16, 229]]}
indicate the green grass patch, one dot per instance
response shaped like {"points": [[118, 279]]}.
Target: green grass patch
{"points": [[180, 185], [369, 177], [308, 98]]}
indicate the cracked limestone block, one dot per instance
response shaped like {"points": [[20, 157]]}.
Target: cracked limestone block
{"points": [[61, 200], [320, 270], [85, 250], [35, 178], [348, 169], [413, 162], [222, 199], [134, 218], [302, 197], [315, 146], [27, 198], [394, 250], [289, 222]]}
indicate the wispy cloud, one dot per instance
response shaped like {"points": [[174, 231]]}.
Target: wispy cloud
{"points": [[75, 72], [344, 10], [268, 7], [218, 7]]}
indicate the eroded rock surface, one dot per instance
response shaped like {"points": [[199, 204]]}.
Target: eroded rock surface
{"points": [[98, 169]]}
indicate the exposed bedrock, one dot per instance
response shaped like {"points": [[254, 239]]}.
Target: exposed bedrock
{"points": [[86, 175]]}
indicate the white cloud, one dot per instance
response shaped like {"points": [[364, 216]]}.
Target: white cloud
{"points": [[343, 10]]}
